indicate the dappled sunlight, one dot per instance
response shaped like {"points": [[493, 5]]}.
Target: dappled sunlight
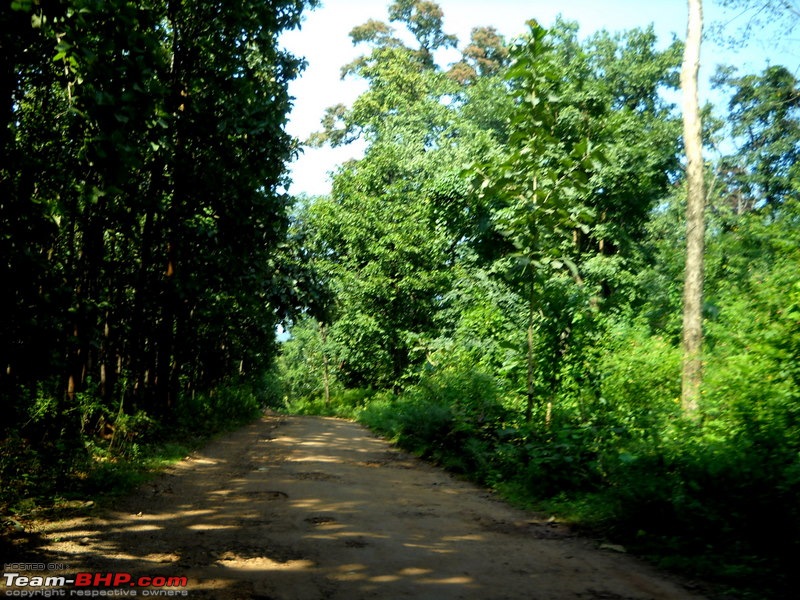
{"points": [[254, 519], [359, 573], [384, 578], [228, 530], [164, 557], [414, 572], [321, 459], [437, 549], [317, 504], [463, 538], [142, 527], [204, 461], [237, 563], [449, 581], [349, 573], [344, 533], [209, 527]]}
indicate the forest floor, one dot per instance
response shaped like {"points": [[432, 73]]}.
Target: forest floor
{"points": [[305, 508]]}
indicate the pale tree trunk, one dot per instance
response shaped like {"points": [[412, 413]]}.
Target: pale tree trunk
{"points": [[326, 372], [695, 221], [531, 392]]}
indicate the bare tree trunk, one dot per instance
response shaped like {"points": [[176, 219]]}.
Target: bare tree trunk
{"points": [[530, 391], [695, 220], [326, 373]]}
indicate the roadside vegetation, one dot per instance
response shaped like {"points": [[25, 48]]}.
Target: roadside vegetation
{"points": [[124, 455], [505, 273]]}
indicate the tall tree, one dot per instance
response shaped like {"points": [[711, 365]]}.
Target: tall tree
{"points": [[695, 215], [540, 190], [387, 239], [590, 152], [486, 55]]}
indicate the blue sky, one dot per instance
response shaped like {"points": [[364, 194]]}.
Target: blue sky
{"points": [[324, 42]]}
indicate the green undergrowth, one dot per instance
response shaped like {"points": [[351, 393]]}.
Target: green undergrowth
{"points": [[40, 476]]}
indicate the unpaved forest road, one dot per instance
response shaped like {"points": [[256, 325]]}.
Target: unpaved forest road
{"points": [[306, 508]]}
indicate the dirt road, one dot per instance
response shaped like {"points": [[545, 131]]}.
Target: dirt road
{"points": [[303, 508]]}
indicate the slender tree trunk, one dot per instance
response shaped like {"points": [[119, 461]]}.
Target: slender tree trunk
{"points": [[166, 353], [695, 220], [530, 391], [326, 373]]}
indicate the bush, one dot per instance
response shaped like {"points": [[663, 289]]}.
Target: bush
{"points": [[223, 408], [451, 417], [345, 403], [559, 460], [640, 378]]}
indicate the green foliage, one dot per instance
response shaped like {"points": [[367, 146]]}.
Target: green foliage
{"points": [[424, 21], [507, 245], [569, 197], [539, 185], [388, 237], [640, 381], [122, 450], [450, 417], [220, 409], [345, 403], [301, 365], [764, 120], [143, 226]]}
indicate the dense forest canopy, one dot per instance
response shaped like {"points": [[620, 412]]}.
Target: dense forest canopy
{"points": [[496, 284]]}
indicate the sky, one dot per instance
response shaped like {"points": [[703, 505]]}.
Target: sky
{"points": [[323, 40]]}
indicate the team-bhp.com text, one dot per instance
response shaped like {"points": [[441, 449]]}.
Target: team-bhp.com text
{"points": [[103, 584]]}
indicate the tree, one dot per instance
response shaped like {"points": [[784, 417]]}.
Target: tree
{"points": [[764, 123], [424, 20], [759, 15], [591, 150], [387, 238], [557, 220], [539, 187], [486, 55], [695, 219]]}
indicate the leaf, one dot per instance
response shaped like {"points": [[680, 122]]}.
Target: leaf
{"points": [[571, 266], [581, 148], [22, 5]]}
